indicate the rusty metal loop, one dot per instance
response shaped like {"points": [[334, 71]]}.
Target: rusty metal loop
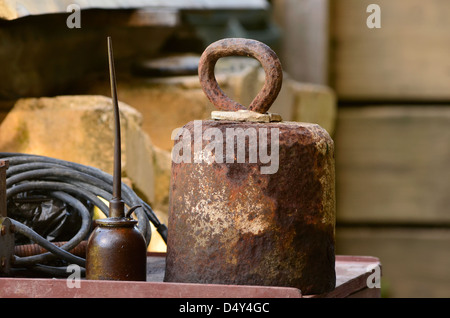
{"points": [[240, 47]]}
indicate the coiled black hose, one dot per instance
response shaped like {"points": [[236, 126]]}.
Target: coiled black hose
{"points": [[68, 181]]}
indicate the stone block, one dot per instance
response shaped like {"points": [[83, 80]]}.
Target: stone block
{"points": [[304, 102], [80, 129], [61, 56], [73, 128], [168, 103], [314, 103]]}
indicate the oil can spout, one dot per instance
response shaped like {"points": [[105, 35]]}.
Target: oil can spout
{"points": [[116, 250], [116, 205]]}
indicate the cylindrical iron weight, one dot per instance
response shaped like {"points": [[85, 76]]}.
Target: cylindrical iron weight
{"points": [[252, 203]]}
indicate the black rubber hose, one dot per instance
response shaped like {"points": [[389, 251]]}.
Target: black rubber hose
{"points": [[68, 175], [53, 271], [16, 159], [76, 239], [34, 160], [26, 261], [56, 186], [69, 181]]}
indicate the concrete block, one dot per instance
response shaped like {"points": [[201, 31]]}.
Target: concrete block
{"points": [[80, 129], [304, 102], [168, 103]]}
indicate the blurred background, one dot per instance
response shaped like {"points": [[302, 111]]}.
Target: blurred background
{"points": [[383, 94]]}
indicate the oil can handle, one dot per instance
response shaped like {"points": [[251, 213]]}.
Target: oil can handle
{"points": [[240, 47]]}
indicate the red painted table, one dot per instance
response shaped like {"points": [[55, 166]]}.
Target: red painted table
{"points": [[352, 274]]}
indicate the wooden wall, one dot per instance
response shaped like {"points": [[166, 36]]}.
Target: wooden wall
{"points": [[393, 140], [406, 59], [304, 44]]}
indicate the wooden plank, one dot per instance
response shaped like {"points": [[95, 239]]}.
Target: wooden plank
{"points": [[392, 165], [415, 261], [13, 9], [304, 46], [366, 293], [405, 59]]}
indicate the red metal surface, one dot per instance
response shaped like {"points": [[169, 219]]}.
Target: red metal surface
{"points": [[351, 271], [44, 288]]}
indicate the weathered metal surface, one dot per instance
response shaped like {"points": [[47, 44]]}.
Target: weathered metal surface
{"points": [[230, 224], [116, 251], [239, 215], [240, 47]]}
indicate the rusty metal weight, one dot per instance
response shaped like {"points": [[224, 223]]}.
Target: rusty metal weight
{"points": [[266, 220]]}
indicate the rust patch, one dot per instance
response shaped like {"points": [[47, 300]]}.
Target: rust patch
{"points": [[234, 220], [230, 224]]}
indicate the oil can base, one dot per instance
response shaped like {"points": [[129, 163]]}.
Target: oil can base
{"points": [[116, 251]]}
